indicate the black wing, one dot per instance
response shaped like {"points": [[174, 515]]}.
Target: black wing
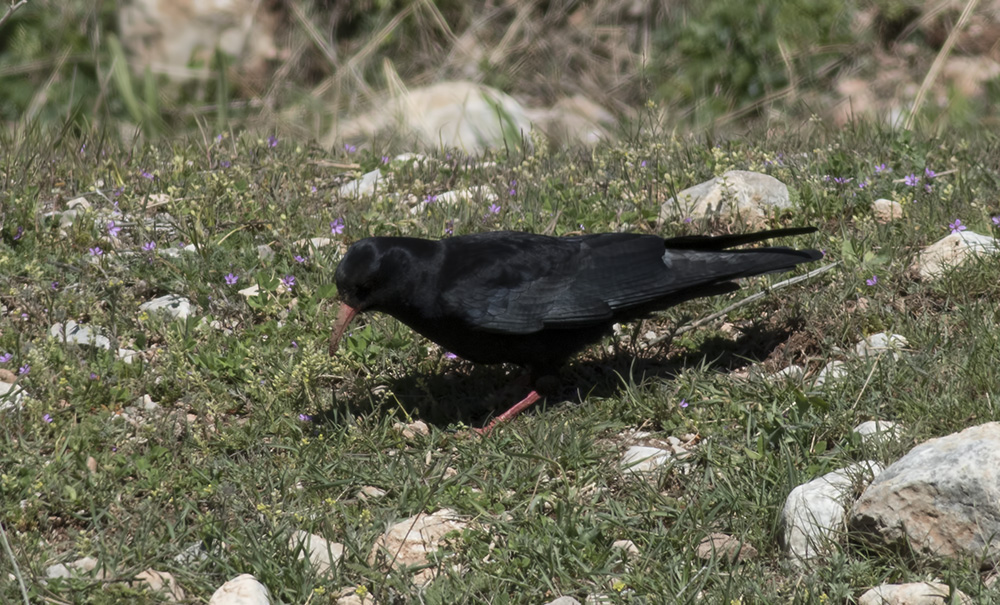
{"points": [[517, 283]]}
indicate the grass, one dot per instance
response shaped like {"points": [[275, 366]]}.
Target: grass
{"points": [[229, 463]]}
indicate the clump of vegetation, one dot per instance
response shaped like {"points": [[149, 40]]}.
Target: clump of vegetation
{"points": [[257, 432]]}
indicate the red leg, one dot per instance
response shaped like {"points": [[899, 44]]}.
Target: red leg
{"points": [[516, 409]]}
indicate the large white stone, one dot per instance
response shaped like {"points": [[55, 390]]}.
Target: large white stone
{"points": [[241, 590], [814, 515]]}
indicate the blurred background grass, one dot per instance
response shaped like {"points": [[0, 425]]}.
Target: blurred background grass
{"points": [[704, 66]]}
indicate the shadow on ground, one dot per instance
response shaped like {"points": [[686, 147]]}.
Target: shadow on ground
{"points": [[473, 394]]}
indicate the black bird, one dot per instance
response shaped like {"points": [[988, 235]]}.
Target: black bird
{"points": [[535, 300]]}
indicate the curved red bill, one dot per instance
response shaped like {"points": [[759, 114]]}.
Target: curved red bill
{"points": [[344, 317]]}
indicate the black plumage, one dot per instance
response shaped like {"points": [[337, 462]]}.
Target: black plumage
{"points": [[535, 300]]}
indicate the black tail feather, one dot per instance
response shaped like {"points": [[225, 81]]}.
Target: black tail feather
{"points": [[721, 242]]}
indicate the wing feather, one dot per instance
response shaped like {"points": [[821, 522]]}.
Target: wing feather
{"points": [[517, 283]]}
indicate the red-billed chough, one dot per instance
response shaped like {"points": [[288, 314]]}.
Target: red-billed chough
{"points": [[535, 300]]}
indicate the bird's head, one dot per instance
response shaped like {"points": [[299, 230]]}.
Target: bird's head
{"points": [[373, 276]]}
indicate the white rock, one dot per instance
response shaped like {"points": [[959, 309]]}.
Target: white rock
{"points": [[174, 251], [574, 120], [162, 582], [350, 597], [792, 373], [408, 542], [915, 593], [363, 187], [873, 432], [314, 242], [146, 404], [750, 195], [79, 334], [640, 459], [370, 491], [627, 545], [127, 355], [59, 570], [877, 344], [322, 553], [459, 114], [67, 218], [173, 305], [86, 564], [564, 601], [831, 372], [942, 498], [412, 429], [79, 203], [192, 554], [265, 252], [887, 211], [952, 251], [815, 513], [250, 291], [475, 194], [724, 546], [241, 590], [11, 396]]}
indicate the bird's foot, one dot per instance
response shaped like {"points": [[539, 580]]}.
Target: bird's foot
{"points": [[516, 409]]}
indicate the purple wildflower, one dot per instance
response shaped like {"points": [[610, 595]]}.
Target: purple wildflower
{"points": [[912, 180], [872, 280], [225, 163], [996, 220], [95, 251], [113, 230], [94, 376], [862, 183], [232, 279], [337, 226], [430, 199], [840, 180], [149, 246], [450, 355], [295, 345], [683, 403], [385, 159], [6, 357], [218, 138], [55, 285], [882, 168], [349, 148], [24, 369], [957, 226], [272, 141], [642, 163], [929, 173], [299, 258], [688, 219], [305, 417], [288, 281], [147, 175], [494, 209], [449, 227], [47, 418], [20, 232]]}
